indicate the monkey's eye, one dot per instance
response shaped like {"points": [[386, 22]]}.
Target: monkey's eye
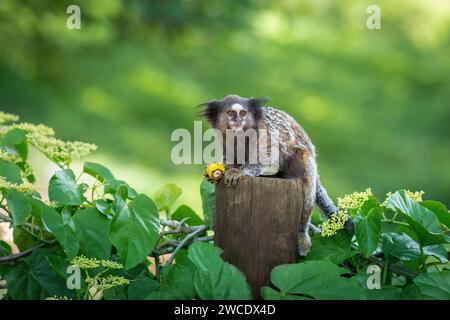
{"points": [[242, 113], [230, 113]]}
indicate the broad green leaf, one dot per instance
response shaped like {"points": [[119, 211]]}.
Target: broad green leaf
{"points": [[434, 286], [64, 190], [400, 246], [98, 171], [134, 229], [19, 207], [439, 209], [166, 196], [208, 195], [23, 239], [370, 204], [316, 279], [410, 292], [5, 250], [142, 287], [423, 221], [104, 175], [438, 251], [16, 139], [93, 230], [215, 279], [54, 223], [103, 206], [10, 171], [183, 212], [335, 249], [176, 284], [368, 230], [384, 293], [34, 278]]}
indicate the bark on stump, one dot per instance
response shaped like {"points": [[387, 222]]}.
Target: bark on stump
{"points": [[256, 225]]}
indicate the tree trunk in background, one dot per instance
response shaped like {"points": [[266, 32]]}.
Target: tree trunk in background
{"points": [[256, 225]]}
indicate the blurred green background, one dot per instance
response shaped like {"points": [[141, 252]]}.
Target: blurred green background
{"points": [[376, 103]]}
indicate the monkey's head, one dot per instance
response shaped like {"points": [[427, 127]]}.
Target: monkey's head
{"points": [[234, 112]]}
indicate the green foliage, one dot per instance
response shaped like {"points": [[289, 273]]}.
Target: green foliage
{"points": [[107, 230], [215, 279]]}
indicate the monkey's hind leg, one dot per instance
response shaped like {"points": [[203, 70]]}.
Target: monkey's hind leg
{"points": [[309, 179]]}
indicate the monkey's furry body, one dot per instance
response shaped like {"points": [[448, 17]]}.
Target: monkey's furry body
{"points": [[296, 153]]}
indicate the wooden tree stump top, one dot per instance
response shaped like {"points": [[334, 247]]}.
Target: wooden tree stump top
{"points": [[256, 225]]}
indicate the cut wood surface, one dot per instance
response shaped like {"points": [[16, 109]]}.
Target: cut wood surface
{"points": [[256, 225]]}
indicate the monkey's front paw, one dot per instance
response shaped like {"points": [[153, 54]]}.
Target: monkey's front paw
{"points": [[303, 243], [232, 176]]}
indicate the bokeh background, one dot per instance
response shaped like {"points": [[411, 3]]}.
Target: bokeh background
{"points": [[375, 102]]}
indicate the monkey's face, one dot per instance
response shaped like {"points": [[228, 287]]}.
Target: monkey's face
{"points": [[237, 117], [234, 112]]}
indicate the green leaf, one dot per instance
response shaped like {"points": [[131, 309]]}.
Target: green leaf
{"points": [[16, 139], [5, 250], [176, 284], [10, 171], [64, 190], [370, 204], [103, 206], [208, 195], [423, 222], [98, 171], [368, 230], [35, 279], [316, 279], [439, 209], [384, 293], [438, 251], [400, 246], [215, 279], [335, 249], [141, 287], [104, 175], [166, 196], [54, 223], [134, 229], [93, 230], [183, 212], [19, 207], [434, 286]]}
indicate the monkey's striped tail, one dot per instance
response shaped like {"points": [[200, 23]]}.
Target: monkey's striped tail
{"points": [[323, 201]]}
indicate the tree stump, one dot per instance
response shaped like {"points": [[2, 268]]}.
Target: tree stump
{"points": [[256, 225]]}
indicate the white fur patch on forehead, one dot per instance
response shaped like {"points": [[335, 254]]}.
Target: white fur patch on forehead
{"points": [[237, 107]]}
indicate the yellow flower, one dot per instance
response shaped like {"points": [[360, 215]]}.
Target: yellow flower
{"points": [[25, 187], [215, 170], [8, 117], [4, 155], [101, 284], [415, 196], [334, 223], [354, 200], [85, 263], [111, 264]]}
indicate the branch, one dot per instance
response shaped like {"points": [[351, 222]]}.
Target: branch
{"points": [[183, 243], [13, 257]]}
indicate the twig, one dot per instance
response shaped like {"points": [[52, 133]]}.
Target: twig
{"points": [[182, 243], [13, 257], [394, 269]]}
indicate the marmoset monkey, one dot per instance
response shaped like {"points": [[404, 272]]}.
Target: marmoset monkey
{"points": [[296, 153]]}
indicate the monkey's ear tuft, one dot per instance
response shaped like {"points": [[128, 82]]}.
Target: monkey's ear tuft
{"points": [[210, 110], [258, 102]]}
